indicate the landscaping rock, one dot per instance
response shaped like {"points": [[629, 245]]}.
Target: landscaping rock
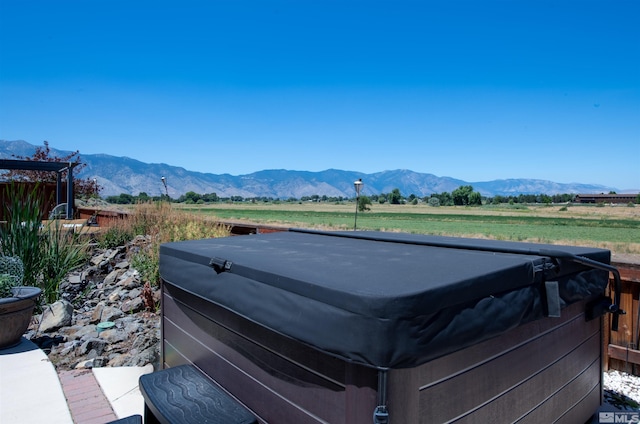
{"points": [[56, 315], [107, 289], [133, 305]]}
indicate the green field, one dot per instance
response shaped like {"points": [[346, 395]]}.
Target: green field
{"points": [[612, 227]]}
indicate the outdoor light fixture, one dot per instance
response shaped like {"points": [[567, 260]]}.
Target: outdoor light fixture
{"points": [[358, 186], [164, 181]]}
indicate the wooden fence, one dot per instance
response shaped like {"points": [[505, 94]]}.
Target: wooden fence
{"points": [[621, 350]]}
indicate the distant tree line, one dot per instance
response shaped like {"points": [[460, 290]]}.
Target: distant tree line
{"points": [[462, 196], [193, 198]]}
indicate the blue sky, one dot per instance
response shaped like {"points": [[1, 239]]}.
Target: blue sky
{"points": [[476, 90]]}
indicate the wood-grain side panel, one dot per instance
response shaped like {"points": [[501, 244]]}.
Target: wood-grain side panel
{"points": [[482, 383], [201, 312], [579, 399], [473, 356], [537, 393], [265, 402], [274, 387]]}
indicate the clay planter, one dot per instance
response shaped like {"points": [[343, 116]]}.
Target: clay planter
{"points": [[15, 314]]}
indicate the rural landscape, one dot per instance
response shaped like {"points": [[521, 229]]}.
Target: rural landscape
{"points": [[614, 227], [107, 269], [328, 212]]}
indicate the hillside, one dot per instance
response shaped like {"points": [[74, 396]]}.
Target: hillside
{"points": [[116, 174]]}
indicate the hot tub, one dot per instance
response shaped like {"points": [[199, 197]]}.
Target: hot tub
{"points": [[362, 327]]}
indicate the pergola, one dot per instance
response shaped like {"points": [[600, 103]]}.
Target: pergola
{"points": [[58, 167]]}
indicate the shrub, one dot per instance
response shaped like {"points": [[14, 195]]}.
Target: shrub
{"points": [[62, 252], [147, 265], [117, 235], [164, 224]]}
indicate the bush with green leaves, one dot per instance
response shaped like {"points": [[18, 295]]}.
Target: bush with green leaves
{"points": [[147, 265], [114, 236]]}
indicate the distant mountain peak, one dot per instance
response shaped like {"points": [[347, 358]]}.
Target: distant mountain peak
{"points": [[118, 175]]}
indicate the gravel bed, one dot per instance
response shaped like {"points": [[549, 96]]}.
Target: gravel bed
{"points": [[622, 390]]}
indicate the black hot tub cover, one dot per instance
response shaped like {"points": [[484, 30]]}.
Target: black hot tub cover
{"points": [[385, 300]]}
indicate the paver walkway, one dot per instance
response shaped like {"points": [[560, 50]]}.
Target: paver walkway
{"points": [[87, 402]]}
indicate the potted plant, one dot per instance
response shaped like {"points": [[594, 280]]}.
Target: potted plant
{"points": [[17, 302], [46, 253], [19, 257]]}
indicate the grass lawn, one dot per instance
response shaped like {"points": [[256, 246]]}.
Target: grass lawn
{"points": [[612, 227]]}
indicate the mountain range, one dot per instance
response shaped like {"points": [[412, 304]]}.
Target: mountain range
{"points": [[116, 175]]}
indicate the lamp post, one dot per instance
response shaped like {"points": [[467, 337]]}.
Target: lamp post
{"points": [[358, 186], [166, 190]]}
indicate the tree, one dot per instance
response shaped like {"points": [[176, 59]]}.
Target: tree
{"points": [[444, 198], [497, 199], [395, 198], [475, 198], [210, 197], [465, 196], [192, 197], [382, 199], [461, 195], [363, 204], [122, 199], [543, 198], [81, 187]]}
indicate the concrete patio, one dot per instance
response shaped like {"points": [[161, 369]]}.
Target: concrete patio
{"points": [[32, 391]]}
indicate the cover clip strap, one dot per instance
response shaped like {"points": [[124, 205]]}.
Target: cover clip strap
{"points": [[220, 265], [381, 414]]}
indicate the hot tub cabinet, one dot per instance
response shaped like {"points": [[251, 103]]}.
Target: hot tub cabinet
{"points": [[363, 327]]}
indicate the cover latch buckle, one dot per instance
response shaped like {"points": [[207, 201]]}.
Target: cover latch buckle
{"points": [[381, 415], [220, 265]]}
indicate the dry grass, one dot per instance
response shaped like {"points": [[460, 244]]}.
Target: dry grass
{"points": [[160, 223], [564, 211], [164, 223], [294, 214]]}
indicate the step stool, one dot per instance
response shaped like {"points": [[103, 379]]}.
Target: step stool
{"points": [[183, 394]]}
